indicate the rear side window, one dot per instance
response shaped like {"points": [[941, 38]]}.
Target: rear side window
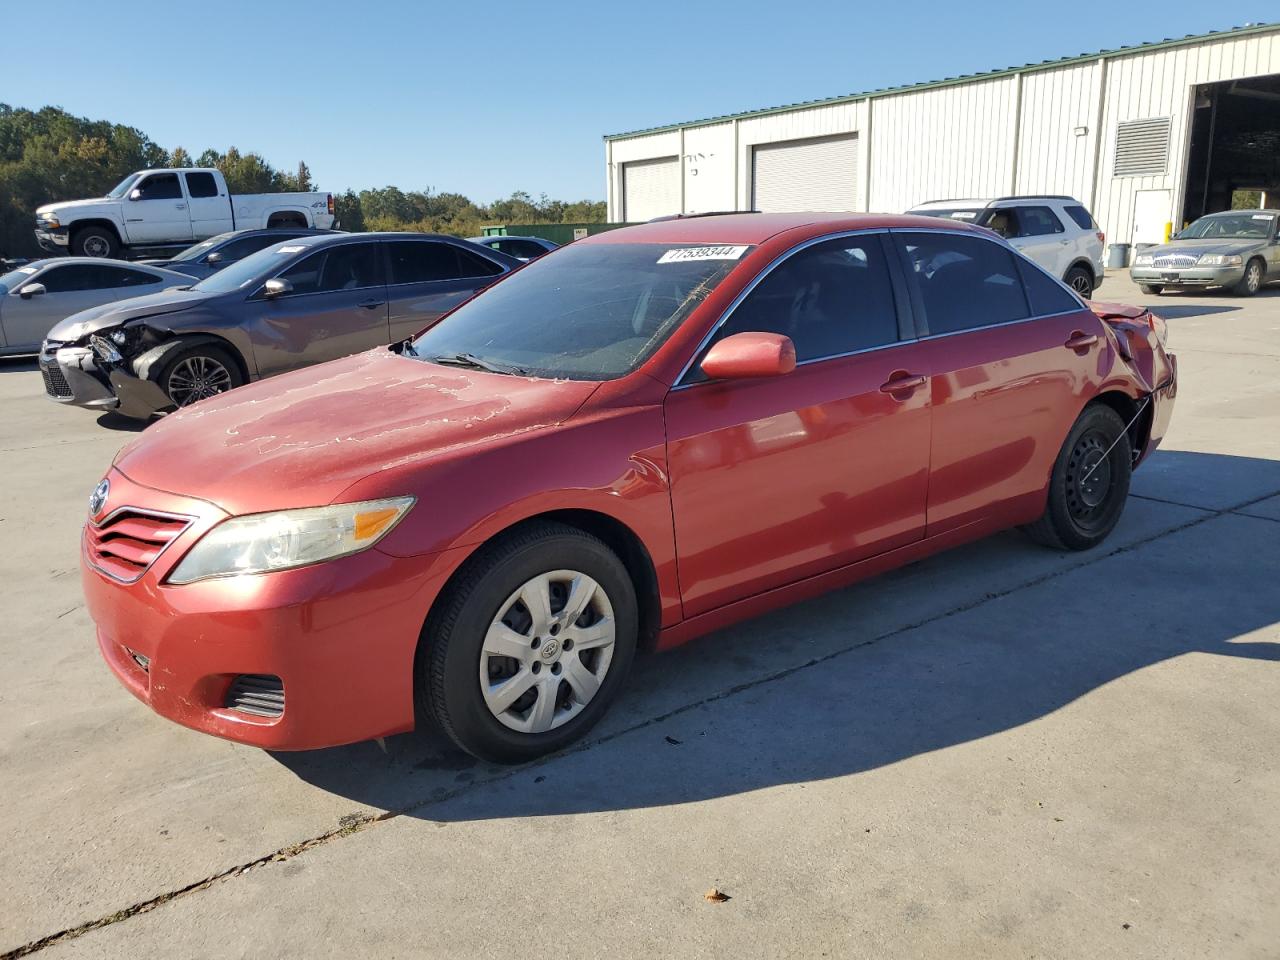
{"points": [[524, 249], [473, 265], [1081, 216], [963, 282], [832, 298], [161, 186], [201, 185], [1045, 295], [133, 278], [422, 261]]}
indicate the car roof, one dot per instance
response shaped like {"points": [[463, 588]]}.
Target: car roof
{"points": [[509, 236], [1258, 210], [1024, 199], [758, 227]]}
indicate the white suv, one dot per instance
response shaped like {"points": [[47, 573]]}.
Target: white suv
{"points": [[1057, 232]]}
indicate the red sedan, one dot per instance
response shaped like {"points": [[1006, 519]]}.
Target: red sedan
{"points": [[641, 437]]}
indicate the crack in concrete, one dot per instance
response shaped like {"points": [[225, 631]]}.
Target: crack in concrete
{"points": [[357, 825]]}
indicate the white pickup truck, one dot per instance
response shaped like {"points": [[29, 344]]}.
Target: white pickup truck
{"points": [[167, 208]]}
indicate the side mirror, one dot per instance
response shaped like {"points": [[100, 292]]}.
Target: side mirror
{"points": [[214, 257], [275, 288], [135, 194], [746, 355], [32, 290]]}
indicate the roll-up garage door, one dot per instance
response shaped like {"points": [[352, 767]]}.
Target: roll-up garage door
{"points": [[650, 188], [817, 174]]}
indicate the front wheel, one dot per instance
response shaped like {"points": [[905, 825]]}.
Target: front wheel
{"points": [[1151, 289], [530, 645], [1251, 282], [199, 373], [94, 242], [1089, 483]]}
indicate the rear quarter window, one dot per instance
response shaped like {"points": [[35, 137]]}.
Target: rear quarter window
{"points": [[1081, 217]]}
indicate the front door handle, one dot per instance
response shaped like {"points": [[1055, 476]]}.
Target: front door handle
{"points": [[1081, 341], [903, 382], [370, 304], [182, 206]]}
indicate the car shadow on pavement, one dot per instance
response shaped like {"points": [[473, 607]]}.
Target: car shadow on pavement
{"points": [[823, 689], [114, 421], [1176, 312]]}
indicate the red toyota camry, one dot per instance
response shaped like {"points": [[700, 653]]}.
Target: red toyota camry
{"points": [[641, 437]]}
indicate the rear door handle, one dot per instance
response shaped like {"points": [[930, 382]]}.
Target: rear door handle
{"points": [[370, 304], [903, 382], [1081, 341]]}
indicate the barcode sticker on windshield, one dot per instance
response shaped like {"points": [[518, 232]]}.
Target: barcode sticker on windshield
{"points": [[291, 249], [1262, 216], [702, 253]]}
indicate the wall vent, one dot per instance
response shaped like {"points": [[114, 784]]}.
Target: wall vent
{"points": [[1142, 147]]}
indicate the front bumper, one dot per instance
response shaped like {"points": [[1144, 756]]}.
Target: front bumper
{"points": [[341, 636], [53, 239], [1187, 276], [72, 376]]}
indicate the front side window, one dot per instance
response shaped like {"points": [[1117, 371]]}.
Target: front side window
{"points": [[351, 266], [594, 311], [832, 298], [161, 186], [963, 282], [201, 185], [71, 278]]}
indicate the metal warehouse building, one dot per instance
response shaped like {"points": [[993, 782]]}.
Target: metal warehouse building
{"points": [[1145, 136]]}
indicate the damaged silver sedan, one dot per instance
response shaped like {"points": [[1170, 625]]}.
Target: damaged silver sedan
{"points": [[293, 304]]}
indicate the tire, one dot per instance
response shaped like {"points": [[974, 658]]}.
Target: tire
{"points": [[1080, 515], [94, 242], [1151, 289], [462, 658], [1251, 282], [1080, 280], [197, 373]]}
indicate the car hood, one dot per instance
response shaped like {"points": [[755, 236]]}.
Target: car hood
{"points": [[303, 438], [77, 205], [1198, 248], [113, 314]]}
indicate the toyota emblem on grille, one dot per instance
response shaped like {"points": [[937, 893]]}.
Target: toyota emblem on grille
{"points": [[98, 499]]}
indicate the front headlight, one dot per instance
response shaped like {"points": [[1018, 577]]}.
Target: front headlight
{"points": [[263, 542], [1218, 260], [1143, 260], [49, 220]]}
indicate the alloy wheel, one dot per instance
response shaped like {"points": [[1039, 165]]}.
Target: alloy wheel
{"points": [[547, 651], [197, 378], [1253, 277], [1082, 285]]}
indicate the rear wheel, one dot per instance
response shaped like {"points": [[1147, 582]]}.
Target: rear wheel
{"points": [[1151, 289], [94, 242], [199, 373], [530, 645], [1251, 282], [1089, 483], [1080, 280]]}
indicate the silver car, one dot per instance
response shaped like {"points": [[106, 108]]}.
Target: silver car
{"points": [[38, 295], [1238, 249]]}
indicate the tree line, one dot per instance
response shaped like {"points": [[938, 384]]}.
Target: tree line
{"points": [[48, 155]]}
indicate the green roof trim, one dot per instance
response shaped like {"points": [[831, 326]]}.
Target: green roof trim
{"points": [[953, 81]]}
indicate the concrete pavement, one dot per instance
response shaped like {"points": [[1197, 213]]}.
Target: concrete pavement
{"points": [[1001, 751]]}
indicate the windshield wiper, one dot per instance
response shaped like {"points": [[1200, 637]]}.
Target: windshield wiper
{"points": [[478, 363]]}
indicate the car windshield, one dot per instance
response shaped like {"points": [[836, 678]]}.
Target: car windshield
{"points": [[201, 248], [121, 188], [15, 278], [964, 214], [252, 270], [1230, 226], [586, 312]]}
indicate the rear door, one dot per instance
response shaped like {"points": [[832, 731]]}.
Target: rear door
{"points": [[779, 479], [338, 306], [428, 278], [209, 205], [160, 214], [1009, 351]]}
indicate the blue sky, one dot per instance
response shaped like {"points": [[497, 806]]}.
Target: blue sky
{"points": [[487, 98]]}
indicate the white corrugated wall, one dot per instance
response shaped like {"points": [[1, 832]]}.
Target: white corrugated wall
{"points": [[1051, 130]]}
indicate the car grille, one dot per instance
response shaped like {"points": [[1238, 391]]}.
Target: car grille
{"points": [[258, 693], [126, 544], [55, 384], [1175, 260]]}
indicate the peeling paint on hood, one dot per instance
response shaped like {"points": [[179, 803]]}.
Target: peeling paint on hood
{"points": [[302, 438]]}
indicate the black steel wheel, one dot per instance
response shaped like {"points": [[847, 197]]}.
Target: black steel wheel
{"points": [[1089, 483]]}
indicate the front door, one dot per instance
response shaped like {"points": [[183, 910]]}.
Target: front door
{"points": [[1008, 351], [160, 214], [337, 307], [779, 479]]}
